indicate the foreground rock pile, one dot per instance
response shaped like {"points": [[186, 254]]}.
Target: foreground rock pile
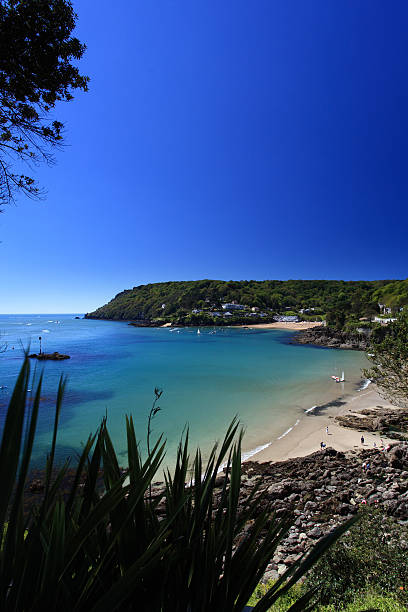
{"points": [[324, 489]]}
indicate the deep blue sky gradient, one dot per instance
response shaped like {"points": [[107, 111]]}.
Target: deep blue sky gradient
{"points": [[230, 140]]}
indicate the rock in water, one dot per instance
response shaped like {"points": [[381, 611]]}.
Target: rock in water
{"points": [[49, 356]]}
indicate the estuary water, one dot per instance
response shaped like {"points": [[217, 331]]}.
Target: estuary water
{"points": [[206, 378]]}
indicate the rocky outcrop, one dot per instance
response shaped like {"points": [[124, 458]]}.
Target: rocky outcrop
{"points": [[332, 338], [392, 422], [49, 356], [320, 492], [144, 323]]}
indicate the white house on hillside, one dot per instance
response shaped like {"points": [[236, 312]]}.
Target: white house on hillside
{"points": [[233, 307]]}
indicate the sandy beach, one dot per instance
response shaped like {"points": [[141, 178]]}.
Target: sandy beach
{"points": [[279, 325], [285, 325], [306, 436]]}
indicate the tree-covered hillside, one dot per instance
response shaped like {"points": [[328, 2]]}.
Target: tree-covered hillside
{"points": [[171, 300], [393, 294]]}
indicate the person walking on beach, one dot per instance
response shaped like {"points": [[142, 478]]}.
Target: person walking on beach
{"points": [[327, 429], [362, 439]]}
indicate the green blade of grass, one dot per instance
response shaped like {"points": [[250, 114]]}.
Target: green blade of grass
{"points": [[15, 529], [11, 442], [50, 460]]}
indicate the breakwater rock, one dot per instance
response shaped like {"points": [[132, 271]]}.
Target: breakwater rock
{"points": [[332, 338], [49, 356]]}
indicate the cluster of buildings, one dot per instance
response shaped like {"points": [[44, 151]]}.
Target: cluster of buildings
{"points": [[230, 309], [386, 310], [286, 318]]}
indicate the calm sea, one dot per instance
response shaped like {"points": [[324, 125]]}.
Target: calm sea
{"points": [[206, 379]]}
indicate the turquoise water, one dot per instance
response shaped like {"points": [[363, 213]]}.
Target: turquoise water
{"points": [[206, 378]]}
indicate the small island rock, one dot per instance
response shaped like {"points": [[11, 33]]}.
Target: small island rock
{"points": [[49, 356]]}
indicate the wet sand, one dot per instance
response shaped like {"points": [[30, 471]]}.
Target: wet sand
{"points": [[301, 325], [278, 325], [306, 437]]}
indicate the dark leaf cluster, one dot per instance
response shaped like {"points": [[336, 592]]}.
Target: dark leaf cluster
{"points": [[389, 360], [37, 51]]}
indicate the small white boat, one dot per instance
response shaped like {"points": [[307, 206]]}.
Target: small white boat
{"points": [[342, 377], [198, 331]]}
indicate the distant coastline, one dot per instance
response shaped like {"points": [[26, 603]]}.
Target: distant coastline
{"points": [[206, 302]]}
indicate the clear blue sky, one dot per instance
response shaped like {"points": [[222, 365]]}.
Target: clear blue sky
{"points": [[229, 140]]}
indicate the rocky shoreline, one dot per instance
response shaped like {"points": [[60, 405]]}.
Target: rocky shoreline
{"points": [[326, 488], [323, 489], [145, 323], [320, 490], [332, 338], [393, 424]]}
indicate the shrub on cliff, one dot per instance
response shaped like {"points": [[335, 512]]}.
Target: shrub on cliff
{"points": [[362, 601], [389, 357], [371, 556]]}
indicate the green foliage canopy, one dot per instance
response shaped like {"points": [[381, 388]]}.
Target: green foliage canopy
{"points": [[394, 295], [372, 555], [389, 356], [146, 301], [36, 71]]}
